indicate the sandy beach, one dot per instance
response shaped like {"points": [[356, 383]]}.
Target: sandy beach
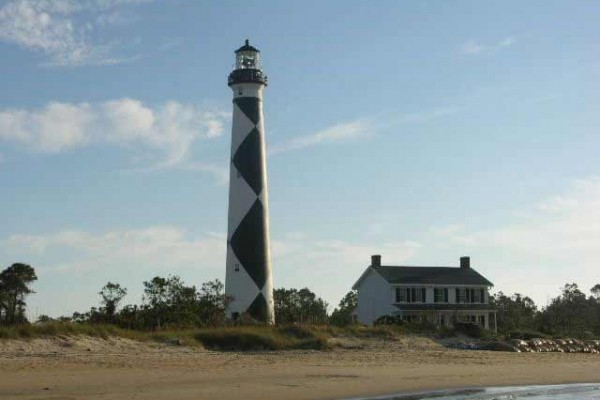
{"points": [[88, 368]]}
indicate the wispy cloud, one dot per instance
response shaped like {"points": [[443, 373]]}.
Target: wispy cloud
{"points": [[475, 47], [170, 44], [359, 130], [86, 260], [344, 132], [554, 242], [63, 30], [334, 264], [168, 131]]}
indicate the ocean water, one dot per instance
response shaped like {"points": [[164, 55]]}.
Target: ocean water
{"points": [[551, 392]]}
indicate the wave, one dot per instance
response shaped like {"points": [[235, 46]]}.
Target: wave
{"points": [[588, 391]]}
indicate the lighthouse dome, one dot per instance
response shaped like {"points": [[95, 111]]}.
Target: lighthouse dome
{"points": [[247, 47], [248, 68]]}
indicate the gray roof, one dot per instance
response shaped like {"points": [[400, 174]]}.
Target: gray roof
{"points": [[428, 275]]}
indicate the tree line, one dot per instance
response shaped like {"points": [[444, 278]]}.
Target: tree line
{"points": [[168, 302], [572, 313]]}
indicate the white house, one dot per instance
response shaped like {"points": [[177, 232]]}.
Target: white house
{"points": [[442, 295]]}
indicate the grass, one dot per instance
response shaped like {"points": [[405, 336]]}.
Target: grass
{"points": [[233, 338], [263, 338], [67, 328], [243, 338]]}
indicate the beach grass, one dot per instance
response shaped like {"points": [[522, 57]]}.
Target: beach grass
{"points": [[243, 338]]}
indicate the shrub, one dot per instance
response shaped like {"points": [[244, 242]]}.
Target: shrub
{"points": [[389, 320], [262, 338], [469, 328], [526, 335]]}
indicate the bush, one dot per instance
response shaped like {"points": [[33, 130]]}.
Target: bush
{"points": [[262, 338], [389, 320], [526, 335], [469, 328]]}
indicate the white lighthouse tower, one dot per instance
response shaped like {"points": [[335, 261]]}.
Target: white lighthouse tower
{"points": [[248, 278]]}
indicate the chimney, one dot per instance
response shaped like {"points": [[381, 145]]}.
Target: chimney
{"points": [[375, 260], [465, 262]]}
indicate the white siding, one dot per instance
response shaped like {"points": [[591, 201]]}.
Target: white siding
{"points": [[375, 298]]}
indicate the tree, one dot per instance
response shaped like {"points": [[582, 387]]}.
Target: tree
{"points": [[170, 302], [343, 314], [516, 312], [596, 291], [14, 287], [212, 303], [42, 319], [112, 294], [299, 306], [571, 313]]}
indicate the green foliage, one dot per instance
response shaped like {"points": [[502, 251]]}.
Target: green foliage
{"points": [[342, 315], [526, 335], [168, 303], [112, 294], [14, 288], [389, 320], [571, 314], [299, 306], [55, 328], [260, 338], [596, 291], [514, 312], [42, 319], [469, 328]]}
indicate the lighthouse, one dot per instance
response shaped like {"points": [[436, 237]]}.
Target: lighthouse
{"points": [[248, 275]]}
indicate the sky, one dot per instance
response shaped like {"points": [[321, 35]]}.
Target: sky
{"points": [[422, 131]]}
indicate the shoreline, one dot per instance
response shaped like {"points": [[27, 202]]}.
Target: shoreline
{"points": [[92, 368], [488, 391]]}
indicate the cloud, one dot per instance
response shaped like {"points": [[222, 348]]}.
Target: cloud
{"points": [[163, 246], [83, 261], [170, 44], [358, 130], [73, 265], [330, 267], [553, 243], [63, 30], [344, 132], [474, 47], [169, 129]]}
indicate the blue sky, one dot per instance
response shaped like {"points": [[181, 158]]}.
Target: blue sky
{"points": [[422, 131]]}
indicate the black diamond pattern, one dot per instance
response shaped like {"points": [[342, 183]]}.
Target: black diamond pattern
{"points": [[249, 106], [259, 309], [247, 160], [248, 244]]}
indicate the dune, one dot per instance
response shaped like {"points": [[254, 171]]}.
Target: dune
{"points": [[81, 367]]}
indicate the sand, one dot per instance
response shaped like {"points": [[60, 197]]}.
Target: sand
{"points": [[88, 368]]}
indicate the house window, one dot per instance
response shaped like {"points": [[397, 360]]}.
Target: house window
{"points": [[400, 295], [464, 295], [460, 295], [440, 295], [411, 295]]}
